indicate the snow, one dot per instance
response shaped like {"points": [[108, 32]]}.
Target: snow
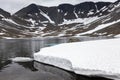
{"points": [[102, 26], [21, 59], [103, 9], [100, 34], [1, 15], [75, 14], [7, 37], [80, 20], [117, 35], [97, 8], [90, 57], [58, 10], [62, 34], [10, 20], [65, 14], [45, 15], [32, 21], [90, 13], [2, 33], [42, 28]]}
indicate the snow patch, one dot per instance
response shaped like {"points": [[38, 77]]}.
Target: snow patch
{"points": [[21, 59], [10, 20], [62, 34], [101, 34], [65, 14], [75, 14], [80, 20], [117, 35], [32, 21], [58, 10], [1, 15], [45, 15], [90, 13], [7, 37], [2, 33]]}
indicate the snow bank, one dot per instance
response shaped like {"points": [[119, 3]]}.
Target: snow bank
{"points": [[101, 56]]}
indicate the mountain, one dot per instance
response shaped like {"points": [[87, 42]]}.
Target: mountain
{"points": [[106, 25], [35, 15], [87, 18]]}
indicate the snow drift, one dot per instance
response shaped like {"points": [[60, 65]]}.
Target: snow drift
{"points": [[90, 57]]}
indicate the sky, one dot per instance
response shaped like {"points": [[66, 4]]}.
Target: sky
{"points": [[13, 6]]}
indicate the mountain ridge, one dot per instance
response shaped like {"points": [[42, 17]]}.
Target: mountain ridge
{"points": [[64, 11]]}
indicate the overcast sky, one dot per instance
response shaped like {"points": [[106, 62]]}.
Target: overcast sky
{"points": [[15, 5]]}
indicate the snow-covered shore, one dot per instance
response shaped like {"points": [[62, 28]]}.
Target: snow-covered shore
{"points": [[90, 57]]}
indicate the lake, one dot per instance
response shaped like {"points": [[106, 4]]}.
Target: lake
{"points": [[32, 70]]}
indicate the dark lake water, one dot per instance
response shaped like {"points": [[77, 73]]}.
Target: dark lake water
{"points": [[34, 70], [24, 47]]}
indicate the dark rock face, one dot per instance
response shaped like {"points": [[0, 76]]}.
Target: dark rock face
{"points": [[67, 10], [4, 14], [101, 4], [84, 8]]}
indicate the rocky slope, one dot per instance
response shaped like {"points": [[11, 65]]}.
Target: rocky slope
{"points": [[8, 28], [4, 14]]}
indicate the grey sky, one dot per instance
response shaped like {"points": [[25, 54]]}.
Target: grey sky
{"points": [[15, 5]]}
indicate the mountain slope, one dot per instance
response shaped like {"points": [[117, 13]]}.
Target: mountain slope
{"points": [[107, 25], [88, 18]]}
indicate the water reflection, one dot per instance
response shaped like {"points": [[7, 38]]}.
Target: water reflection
{"points": [[33, 71], [28, 65], [15, 48], [24, 47], [3, 64]]}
